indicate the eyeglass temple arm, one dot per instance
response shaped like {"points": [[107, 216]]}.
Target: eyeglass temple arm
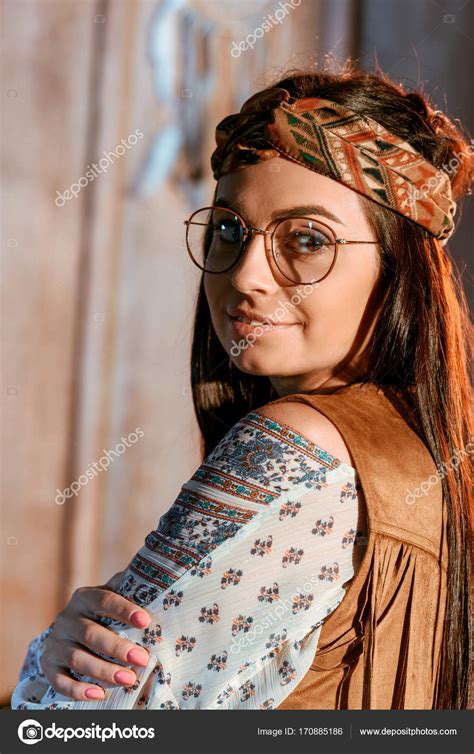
{"points": [[345, 241]]}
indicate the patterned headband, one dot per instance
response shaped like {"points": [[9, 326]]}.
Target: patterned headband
{"points": [[334, 141]]}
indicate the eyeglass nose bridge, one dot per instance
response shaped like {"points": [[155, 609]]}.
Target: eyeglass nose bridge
{"points": [[249, 231]]}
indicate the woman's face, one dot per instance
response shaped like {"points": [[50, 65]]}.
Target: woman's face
{"points": [[317, 333]]}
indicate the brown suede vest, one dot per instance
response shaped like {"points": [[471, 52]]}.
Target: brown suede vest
{"points": [[381, 647]]}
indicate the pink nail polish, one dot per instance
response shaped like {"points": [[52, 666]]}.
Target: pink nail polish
{"points": [[124, 677], [94, 694], [139, 619], [138, 657]]}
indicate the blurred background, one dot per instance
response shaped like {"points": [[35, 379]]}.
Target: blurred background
{"points": [[108, 116]]}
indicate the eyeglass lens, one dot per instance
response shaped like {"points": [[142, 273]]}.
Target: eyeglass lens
{"points": [[303, 248]]}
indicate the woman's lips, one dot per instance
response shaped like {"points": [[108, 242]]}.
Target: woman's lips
{"points": [[262, 328]]}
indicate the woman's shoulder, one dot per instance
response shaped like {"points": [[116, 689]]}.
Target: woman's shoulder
{"points": [[310, 423]]}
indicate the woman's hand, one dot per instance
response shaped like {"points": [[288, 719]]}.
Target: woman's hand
{"points": [[76, 637]]}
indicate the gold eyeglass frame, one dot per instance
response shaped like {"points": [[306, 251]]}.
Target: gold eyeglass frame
{"points": [[249, 231]]}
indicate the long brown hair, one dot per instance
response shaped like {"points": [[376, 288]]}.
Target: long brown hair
{"points": [[422, 340]]}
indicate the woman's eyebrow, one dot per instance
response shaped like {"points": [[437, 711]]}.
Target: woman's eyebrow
{"points": [[299, 211], [307, 209]]}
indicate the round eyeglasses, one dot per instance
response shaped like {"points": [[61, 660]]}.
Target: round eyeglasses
{"points": [[303, 249]]}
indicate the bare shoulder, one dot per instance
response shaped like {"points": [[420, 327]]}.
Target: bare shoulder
{"points": [[311, 424]]}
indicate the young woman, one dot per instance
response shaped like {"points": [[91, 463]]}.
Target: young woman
{"points": [[319, 557]]}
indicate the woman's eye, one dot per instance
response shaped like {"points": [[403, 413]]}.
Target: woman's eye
{"points": [[228, 232], [304, 242]]}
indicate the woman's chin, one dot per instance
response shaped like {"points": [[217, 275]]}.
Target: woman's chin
{"points": [[258, 365]]}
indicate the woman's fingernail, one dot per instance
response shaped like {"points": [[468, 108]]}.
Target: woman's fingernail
{"points": [[125, 677], [94, 694], [138, 657], [139, 619]]}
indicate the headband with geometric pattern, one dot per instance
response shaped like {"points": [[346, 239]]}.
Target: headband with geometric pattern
{"points": [[332, 140]]}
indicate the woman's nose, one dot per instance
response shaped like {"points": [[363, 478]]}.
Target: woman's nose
{"points": [[254, 270]]}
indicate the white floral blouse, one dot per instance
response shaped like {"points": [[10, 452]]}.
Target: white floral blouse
{"points": [[239, 576]]}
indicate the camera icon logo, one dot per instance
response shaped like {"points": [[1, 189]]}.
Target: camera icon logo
{"points": [[30, 731]]}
